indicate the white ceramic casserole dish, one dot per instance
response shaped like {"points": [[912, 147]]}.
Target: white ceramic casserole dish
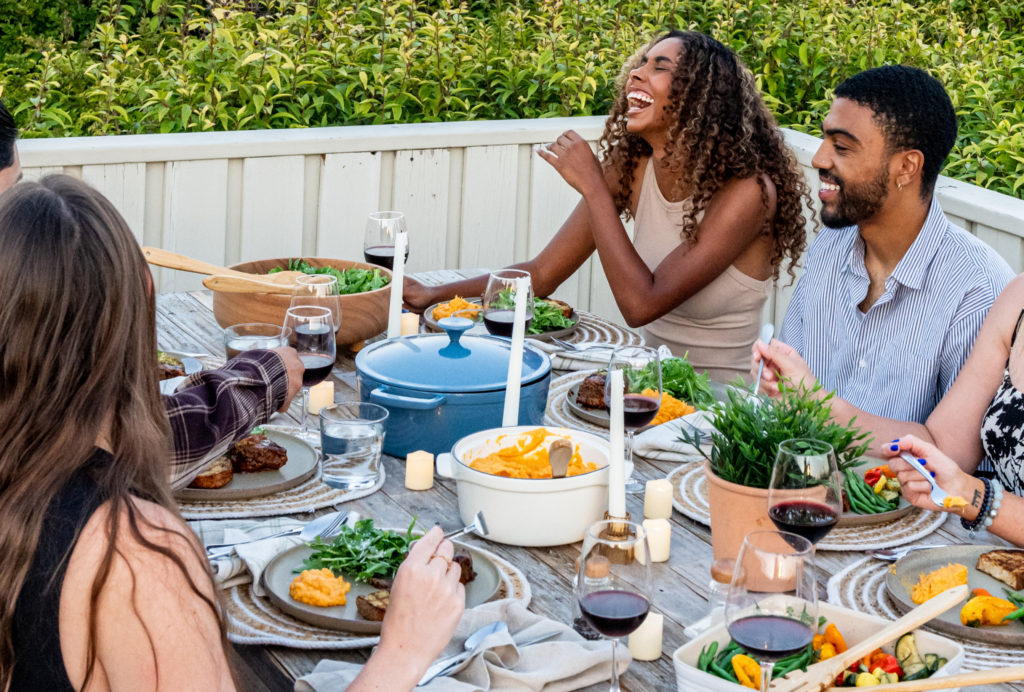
{"points": [[530, 512], [855, 628]]}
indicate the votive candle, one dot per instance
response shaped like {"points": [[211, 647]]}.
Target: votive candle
{"points": [[320, 395], [658, 499], [419, 471], [645, 643], [410, 323], [659, 538]]}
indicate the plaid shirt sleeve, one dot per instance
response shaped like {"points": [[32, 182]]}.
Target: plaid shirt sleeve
{"points": [[213, 409]]}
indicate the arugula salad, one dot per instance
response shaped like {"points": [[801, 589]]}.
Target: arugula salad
{"points": [[350, 281], [361, 552]]}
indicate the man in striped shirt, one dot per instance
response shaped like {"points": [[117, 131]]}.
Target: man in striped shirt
{"points": [[892, 294]]}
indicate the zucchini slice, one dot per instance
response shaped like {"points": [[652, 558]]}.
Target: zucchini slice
{"points": [[908, 656]]}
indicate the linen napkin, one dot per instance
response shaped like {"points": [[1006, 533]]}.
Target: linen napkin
{"points": [[251, 559], [574, 360], [566, 662], [663, 443]]}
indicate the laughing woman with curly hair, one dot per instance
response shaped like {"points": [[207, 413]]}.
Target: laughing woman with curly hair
{"points": [[693, 156]]}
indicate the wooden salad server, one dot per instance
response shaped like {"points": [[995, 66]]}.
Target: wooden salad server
{"points": [[822, 675], [981, 677], [172, 260], [236, 284]]}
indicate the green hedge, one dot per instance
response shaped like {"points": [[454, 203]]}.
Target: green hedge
{"points": [[173, 66]]}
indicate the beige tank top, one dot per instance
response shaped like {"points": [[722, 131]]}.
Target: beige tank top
{"points": [[718, 325]]}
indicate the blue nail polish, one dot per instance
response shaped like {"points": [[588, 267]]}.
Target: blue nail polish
{"points": [[924, 462], [895, 448], [933, 473], [896, 440]]}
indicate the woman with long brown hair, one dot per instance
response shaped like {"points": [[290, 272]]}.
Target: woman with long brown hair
{"points": [[693, 156], [102, 585]]}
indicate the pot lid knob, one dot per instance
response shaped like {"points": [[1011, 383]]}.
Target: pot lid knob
{"points": [[455, 327]]}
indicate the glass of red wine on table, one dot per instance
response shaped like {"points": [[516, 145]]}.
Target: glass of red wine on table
{"points": [[313, 337], [805, 495], [614, 586], [641, 376], [499, 306], [772, 607], [382, 228]]}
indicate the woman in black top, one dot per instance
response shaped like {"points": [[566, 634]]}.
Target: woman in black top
{"points": [[102, 586]]}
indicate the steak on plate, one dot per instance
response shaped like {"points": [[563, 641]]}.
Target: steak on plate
{"points": [[373, 606], [591, 393], [216, 475], [167, 372], [1005, 565], [466, 563], [257, 453]]}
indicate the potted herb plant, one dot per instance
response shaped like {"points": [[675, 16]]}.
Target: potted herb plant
{"points": [[748, 431]]}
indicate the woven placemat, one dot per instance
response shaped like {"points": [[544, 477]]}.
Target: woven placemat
{"points": [[306, 497], [594, 329], [255, 620], [861, 587], [558, 414], [690, 498]]}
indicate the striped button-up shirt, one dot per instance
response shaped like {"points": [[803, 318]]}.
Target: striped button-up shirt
{"points": [[899, 358]]}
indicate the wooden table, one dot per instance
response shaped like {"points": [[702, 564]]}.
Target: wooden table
{"points": [[185, 323]]}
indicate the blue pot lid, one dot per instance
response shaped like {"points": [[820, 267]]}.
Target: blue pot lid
{"points": [[451, 362]]}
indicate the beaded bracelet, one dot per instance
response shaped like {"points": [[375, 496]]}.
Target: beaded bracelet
{"points": [[990, 505]]}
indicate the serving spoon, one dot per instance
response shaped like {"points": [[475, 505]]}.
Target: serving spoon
{"points": [[236, 284], [172, 260]]}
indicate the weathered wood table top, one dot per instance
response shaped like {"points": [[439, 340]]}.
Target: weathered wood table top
{"points": [[185, 323]]}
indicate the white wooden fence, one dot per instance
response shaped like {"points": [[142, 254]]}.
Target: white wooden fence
{"points": [[474, 195]]}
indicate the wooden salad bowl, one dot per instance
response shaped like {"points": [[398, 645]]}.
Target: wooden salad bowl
{"points": [[363, 315]]}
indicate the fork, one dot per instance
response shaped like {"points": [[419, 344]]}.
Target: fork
{"points": [[578, 347], [938, 494], [214, 552]]}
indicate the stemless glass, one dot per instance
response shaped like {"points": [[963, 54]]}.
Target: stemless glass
{"points": [[499, 307], [641, 375], [614, 586], [379, 243], [772, 607], [320, 291], [351, 437], [252, 336], [312, 336], [805, 495]]}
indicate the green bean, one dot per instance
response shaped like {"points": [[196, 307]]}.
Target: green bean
{"points": [[1015, 615], [724, 653], [723, 673], [801, 662]]}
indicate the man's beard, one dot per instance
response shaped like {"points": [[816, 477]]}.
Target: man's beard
{"points": [[856, 203]]}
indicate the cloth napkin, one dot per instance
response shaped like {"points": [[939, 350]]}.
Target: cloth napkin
{"points": [[663, 443], [567, 662], [583, 360], [251, 559]]}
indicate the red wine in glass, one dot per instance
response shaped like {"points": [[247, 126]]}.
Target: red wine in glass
{"points": [[812, 520], [382, 256], [614, 613], [638, 410], [500, 322], [771, 637], [318, 368]]}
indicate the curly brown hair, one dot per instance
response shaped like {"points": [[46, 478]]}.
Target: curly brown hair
{"points": [[721, 130]]}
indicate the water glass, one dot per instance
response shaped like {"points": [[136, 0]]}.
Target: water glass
{"points": [[252, 336], [352, 436]]}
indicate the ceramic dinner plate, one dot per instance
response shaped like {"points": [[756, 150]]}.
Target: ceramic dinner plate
{"points": [[278, 576], [599, 417], [302, 465], [479, 328], [852, 519], [900, 581], [189, 364]]}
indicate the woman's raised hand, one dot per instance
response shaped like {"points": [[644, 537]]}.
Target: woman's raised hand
{"points": [[415, 296], [781, 363], [914, 487], [575, 161]]}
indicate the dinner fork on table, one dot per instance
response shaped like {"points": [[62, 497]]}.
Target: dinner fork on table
{"points": [[308, 532], [581, 346]]}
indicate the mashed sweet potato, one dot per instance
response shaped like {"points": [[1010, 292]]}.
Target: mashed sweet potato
{"points": [[526, 456], [457, 307], [319, 587], [934, 583]]}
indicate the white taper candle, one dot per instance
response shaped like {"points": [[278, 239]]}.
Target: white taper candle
{"points": [[616, 449], [397, 276], [510, 416]]}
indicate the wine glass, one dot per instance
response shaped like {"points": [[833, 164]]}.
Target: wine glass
{"points": [[641, 375], [772, 607], [805, 495], [382, 228], [614, 585], [321, 291], [313, 337], [499, 307], [251, 336]]}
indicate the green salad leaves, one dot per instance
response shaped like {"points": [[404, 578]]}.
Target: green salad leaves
{"points": [[679, 379], [546, 317], [361, 553], [350, 281]]}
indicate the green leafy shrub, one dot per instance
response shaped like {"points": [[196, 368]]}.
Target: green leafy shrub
{"points": [[175, 66]]}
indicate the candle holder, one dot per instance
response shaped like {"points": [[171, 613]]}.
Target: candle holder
{"points": [[618, 530]]}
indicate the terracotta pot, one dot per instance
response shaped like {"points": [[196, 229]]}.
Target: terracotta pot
{"points": [[737, 510], [363, 315]]}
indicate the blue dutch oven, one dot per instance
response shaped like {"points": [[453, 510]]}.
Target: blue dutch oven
{"points": [[438, 388]]}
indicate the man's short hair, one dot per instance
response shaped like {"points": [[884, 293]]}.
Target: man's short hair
{"points": [[913, 111], [8, 134]]}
